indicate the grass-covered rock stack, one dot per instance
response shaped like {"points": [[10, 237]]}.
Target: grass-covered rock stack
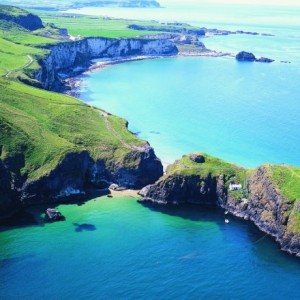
{"points": [[196, 178], [269, 195]]}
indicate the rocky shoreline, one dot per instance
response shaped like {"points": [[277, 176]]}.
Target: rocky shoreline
{"points": [[73, 79]]}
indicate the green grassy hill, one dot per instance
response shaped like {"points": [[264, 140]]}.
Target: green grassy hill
{"points": [[45, 126], [89, 26], [43, 134]]}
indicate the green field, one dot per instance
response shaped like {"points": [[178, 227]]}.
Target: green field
{"points": [[88, 26], [45, 126], [287, 179], [212, 165]]}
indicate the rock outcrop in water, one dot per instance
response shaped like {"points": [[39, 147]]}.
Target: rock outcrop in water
{"points": [[248, 56], [66, 56], [245, 56], [260, 200]]}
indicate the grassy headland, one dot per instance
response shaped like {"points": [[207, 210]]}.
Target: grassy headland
{"points": [[40, 128]]}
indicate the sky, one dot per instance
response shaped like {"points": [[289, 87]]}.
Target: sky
{"points": [[255, 2]]}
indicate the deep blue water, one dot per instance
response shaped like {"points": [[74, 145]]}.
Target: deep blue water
{"points": [[128, 251]]}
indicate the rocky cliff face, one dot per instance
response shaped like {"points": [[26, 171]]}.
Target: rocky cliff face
{"points": [[8, 203], [76, 173], [268, 209], [71, 54], [265, 206], [179, 189]]}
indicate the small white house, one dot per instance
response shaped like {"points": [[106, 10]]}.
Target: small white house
{"points": [[234, 186]]}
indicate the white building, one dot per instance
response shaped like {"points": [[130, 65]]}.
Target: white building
{"points": [[234, 186]]}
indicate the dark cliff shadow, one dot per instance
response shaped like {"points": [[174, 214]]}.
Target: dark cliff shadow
{"points": [[90, 194], [34, 215], [193, 212], [84, 227], [23, 218], [262, 246]]}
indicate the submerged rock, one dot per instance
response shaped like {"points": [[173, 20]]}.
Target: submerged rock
{"points": [[264, 60]]}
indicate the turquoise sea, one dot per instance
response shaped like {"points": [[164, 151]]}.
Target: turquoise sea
{"points": [[247, 113], [115, 248]]}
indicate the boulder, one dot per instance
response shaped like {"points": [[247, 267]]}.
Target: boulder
{"points": [[245, 56], [198, 158]]}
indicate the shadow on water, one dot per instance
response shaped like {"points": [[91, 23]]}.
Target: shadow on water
{"points": [[15, 260], [84, 227], [263, 245], [192, 212], [24, 218], [35, 215]]}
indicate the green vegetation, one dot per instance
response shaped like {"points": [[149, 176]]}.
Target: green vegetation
{"points": [[14, 56], [294, 222], [44, 126], [88, 26], [287, 179], [18, 46], [12, 10], [212, 165]]}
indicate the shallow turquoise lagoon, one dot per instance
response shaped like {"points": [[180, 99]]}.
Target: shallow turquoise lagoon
{"points": [[247, 113], [128, 251]]}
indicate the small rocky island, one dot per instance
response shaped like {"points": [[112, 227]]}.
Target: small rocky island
{"points": [[248, 56], [269, 195]]}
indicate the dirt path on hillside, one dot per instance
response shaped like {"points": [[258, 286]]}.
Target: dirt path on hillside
{"points": [[30, 61]]}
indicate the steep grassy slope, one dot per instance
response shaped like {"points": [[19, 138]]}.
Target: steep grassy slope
{"points": [[286, 180], [47, 125], [51, 145]]}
